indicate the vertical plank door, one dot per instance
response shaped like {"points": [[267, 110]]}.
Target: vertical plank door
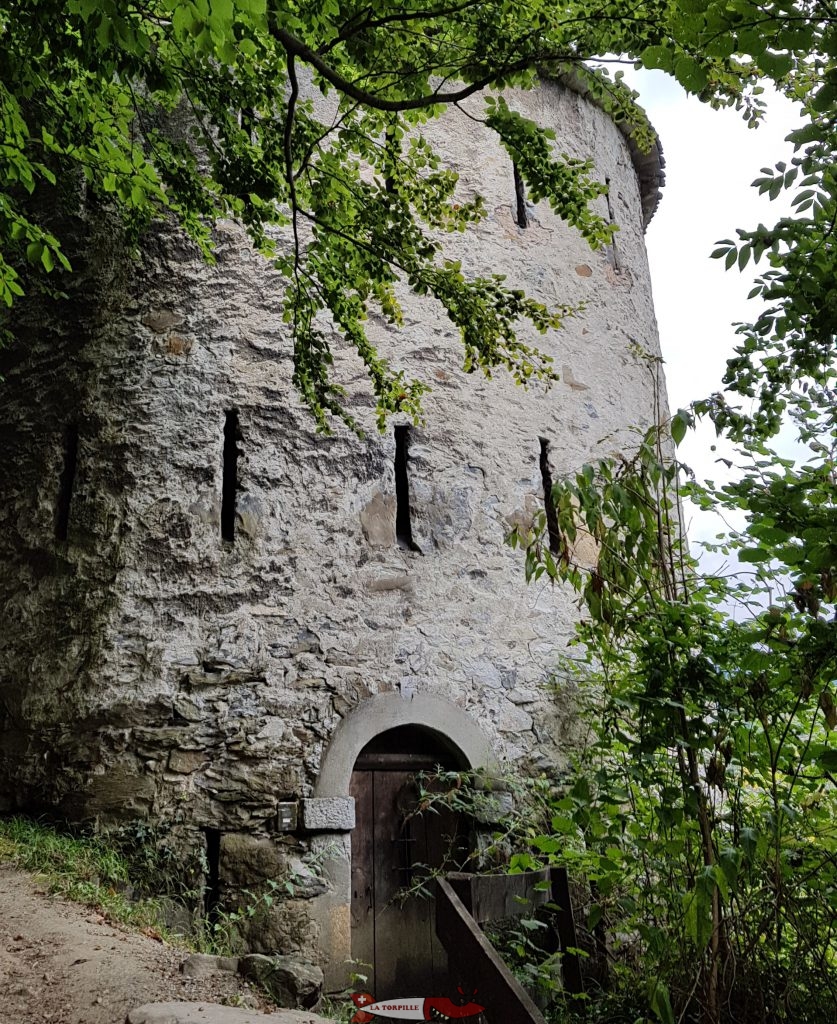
{"points": [[363, 881], [389, 844]]}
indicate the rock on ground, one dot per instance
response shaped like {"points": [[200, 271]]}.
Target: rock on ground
{"points": [[288, 981], [202, 965]]}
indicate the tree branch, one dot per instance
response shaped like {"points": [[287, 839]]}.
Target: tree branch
{"points": [[296, 48], [353, 27]]}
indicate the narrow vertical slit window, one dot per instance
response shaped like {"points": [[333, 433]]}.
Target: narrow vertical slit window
{"points": [[403, 523], [229, 486], [212, 890], [392, 151], [549, 505], [67, 482], [521, 216], [612, 254]]}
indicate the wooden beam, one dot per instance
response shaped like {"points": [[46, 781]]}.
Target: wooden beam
{"points": [[475, 960], [565, 926], [499, 897]]}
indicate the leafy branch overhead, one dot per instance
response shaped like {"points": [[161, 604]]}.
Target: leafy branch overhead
{"points": [[364, 201]]}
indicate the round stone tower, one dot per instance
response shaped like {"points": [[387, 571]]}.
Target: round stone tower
{"points": [[217, 620]]}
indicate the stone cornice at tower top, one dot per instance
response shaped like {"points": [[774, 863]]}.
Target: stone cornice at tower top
{"points": [[648, 164]]}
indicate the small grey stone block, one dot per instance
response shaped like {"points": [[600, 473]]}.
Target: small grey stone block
{"points": [[201, 965], [328, 814]]}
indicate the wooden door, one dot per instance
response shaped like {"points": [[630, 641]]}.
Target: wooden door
{"points": [[389, 843]]}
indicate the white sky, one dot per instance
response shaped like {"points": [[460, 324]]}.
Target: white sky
{"points": [[711, 159]]}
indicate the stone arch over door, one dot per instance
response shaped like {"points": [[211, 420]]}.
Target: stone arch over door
{"points": [[389, 711], [447, 723]]}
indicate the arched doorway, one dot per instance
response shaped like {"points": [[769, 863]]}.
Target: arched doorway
{"points": [[462, 740], [394, 845]]}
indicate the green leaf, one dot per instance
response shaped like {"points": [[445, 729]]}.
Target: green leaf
{"points": [[828, 759], [754, 555], [222, 12], [749, 841], [776, 65], [660, 1002], [690, 74], [730, 863], [721, 881], [657, 57], [679, 426]]}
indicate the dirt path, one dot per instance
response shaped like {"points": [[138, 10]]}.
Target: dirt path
{"points": [[64, 964]]}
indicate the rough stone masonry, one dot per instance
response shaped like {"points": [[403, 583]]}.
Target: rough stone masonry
{"points": [[216, 668]]}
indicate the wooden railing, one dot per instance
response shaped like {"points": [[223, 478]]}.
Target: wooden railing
{"points": [[464, 902]]}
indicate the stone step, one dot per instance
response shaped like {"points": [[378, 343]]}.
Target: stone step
{"points": [[215, 1013]]}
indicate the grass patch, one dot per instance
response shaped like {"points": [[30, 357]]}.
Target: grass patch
{"points": [[131, 875], [84, 869]]}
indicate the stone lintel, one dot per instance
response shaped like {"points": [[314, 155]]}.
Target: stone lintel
{"points": [[328, 814]]}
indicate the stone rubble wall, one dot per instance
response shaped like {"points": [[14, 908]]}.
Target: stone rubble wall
{"points": [[148, 669]]}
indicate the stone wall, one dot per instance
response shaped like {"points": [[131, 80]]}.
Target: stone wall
{"points": [[150, 669]]}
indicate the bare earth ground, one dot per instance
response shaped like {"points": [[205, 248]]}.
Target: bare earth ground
{"points": [[63, 963]]}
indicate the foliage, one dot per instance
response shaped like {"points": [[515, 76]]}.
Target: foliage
{"points": [[704, 811], [84, 869], [520, 942], [705, 807], [786, 358], [131, 875], [221, 931], [200, 109], [155, 862]]}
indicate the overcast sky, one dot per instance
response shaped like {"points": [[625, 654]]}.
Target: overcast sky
{"points": [[711, 159]]}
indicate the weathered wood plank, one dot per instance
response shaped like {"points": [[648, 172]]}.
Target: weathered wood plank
{"points": [[403, 930], [473, 958], [497, 897], [363, 870], [565, 926], [396, 761], [442, 831]]}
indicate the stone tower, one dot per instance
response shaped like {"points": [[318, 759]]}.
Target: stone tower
{"points": [[214, 618]]}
